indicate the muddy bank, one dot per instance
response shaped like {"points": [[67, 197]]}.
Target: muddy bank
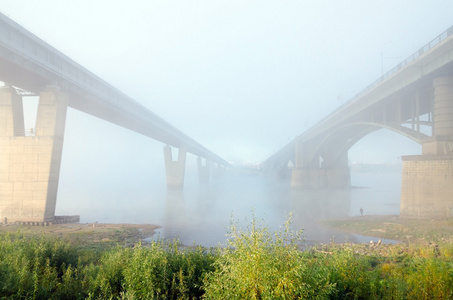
{"points": [[86, 233], [407, 230]]}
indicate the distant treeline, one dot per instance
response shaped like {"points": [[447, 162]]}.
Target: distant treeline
{"points": [[376, 168], [255, 264]]}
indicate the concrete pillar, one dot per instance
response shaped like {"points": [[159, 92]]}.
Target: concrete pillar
{"points": [[174, 168], [9, 112], [302, 175], [427, 186], [338, 174], [321, 178], [300, 178], [218, 171], [338, 177], [300, 155], [333, 173], [30, 165], [441, 142], [427, 179], [12, 118], [203, 170]]}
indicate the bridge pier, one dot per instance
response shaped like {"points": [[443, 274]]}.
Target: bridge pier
{"points": [[203, 170], [218, 171], [320, 178], [333, 172], [175, 169], [427, 182], [30, 165]]}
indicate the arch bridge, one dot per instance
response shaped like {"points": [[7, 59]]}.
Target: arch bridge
{"points": [[414, 99]]}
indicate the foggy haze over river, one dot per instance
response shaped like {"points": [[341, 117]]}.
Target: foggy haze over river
{"points": [[201, 213], [116, 177], [242, 78]]}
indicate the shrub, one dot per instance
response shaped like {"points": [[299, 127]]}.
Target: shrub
{"points": [[256, 264], [167, 271], [354, 275], [105, 280], [36, 269]]}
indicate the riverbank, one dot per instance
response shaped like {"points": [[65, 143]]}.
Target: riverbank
{"points": [[406, 230], [77, 261], [88, 234]]}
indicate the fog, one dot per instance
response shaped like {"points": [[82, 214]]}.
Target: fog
{"points": [[242, 78], [250, 76]]}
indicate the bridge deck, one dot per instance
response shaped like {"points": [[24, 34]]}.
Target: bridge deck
{"points": [[433, 59], [31, 64]]}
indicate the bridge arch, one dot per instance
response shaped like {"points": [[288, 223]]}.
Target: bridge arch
{"points": [[344, 137], [323, 161]]}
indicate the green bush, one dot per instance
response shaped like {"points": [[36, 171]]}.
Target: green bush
{"points": [[254, 264], [157, 271], [166, 271], [105, 279], [354, 275], [37, 269], [423, 278], [257, 264]]}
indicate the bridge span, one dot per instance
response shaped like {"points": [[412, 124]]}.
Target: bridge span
{"points": [[414, 99], [30, 164]]}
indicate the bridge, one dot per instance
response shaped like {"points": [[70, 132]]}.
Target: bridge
{"points": [[30, 161], [414, 99]]}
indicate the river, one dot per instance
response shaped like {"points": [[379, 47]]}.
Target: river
{"points": [[202, 213]]}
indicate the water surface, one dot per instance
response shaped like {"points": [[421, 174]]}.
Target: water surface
{"points": [[202, 213]]}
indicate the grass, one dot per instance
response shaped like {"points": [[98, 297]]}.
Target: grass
{"points": [[407, 230], [110, 262], [91, 236]]}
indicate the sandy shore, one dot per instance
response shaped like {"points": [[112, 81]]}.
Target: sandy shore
{"points": [[408, 230], [86, 233]]}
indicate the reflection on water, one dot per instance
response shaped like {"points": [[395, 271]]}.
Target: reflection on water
{"points": [[202, 212]]}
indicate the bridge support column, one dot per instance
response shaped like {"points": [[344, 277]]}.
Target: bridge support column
{"points": [[30, 165], [333, 173], [338, 177], [302, 175], [203, 170], [301, 178], [427, 183], [218, 171], [337, 170], [320, 178], [175, 168]]}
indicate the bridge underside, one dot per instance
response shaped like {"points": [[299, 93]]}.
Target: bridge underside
{"points": [[30, 160], [427, 185]]}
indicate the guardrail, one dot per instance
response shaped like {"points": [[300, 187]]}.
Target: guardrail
{"points": [[434, 42], [22, 48], [437, 40]]}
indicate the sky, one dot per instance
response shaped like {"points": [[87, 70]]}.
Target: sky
{"points": [[243, 78]]}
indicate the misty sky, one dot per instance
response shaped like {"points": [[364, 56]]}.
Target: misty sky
{"points": [[243, 78]]}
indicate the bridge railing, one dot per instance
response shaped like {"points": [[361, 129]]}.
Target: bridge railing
{"points": [[434, 42], [22, 48], [55, 65], [437, 40]]}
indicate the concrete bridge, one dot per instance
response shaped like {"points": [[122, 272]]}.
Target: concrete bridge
{"points": [[30, 162], [414, 99]]}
